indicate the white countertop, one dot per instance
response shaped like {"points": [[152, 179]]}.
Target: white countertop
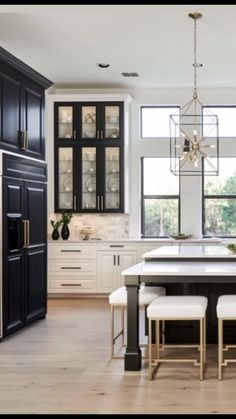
{"points": [[137, 240], [182, 269], [190, 252]]}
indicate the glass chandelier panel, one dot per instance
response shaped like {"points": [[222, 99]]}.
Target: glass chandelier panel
{"points": [[194, 136]]}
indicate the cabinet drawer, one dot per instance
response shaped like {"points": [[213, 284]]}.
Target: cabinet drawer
{"points": [[117, 246], [72, 269], [72, 285], [70, 251]]}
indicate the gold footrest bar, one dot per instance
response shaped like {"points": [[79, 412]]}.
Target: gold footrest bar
{"points": [[227, 347], [195, 362], [227, 361], [182, 346]]}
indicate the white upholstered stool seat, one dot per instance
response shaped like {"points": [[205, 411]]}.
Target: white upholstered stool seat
{"points": [[164, 308], [118, 299], [225, 310], [226, 306], [146, 295], [189, 306]]}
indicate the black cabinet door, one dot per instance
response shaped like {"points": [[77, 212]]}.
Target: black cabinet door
{"points": [[35, 203], [32, 109], [13, 272], [10, 113], [35, 283], [35, 263]]}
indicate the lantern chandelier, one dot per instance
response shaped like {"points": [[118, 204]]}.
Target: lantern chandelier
{"points": [[194, 133]]}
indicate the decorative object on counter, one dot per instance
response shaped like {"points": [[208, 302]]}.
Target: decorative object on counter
{"points": [[65, 220], [86, 231], [181, 236], [232, 247], [55, 225]]}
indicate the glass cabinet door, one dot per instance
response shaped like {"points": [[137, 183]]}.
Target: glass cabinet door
{"points": [[112, 178], [89, 122], [65, 178], [112, 122], [89, 183], [65, 122]]}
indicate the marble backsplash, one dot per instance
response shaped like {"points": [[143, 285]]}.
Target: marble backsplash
{"points": [[105, 226]]}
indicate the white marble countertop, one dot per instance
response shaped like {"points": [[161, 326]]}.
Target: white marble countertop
{"points": [[137, 240], [179, 268], [191, 252]]}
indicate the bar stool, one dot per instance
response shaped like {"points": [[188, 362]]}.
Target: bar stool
{"points": [[118, 299], [177, 308], [226, 310]]}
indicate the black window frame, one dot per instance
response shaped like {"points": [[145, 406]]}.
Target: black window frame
{"points": [[151, 107], [205, 197], [143, 197]]}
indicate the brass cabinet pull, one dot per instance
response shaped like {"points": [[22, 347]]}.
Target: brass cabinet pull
{"points": [[74, 134], [75, 202], [24, 233], [70, 267], [26, 240], [26, 140], [101, 134], [98, 202], [102, 202], [118, 257], [97, 134], [114, 261], [28, 232], [71, 285], [23, 147]]}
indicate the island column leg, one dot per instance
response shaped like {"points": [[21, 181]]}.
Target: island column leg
{"points": [[132, 359]]}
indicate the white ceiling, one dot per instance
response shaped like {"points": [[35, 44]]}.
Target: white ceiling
{"points": [[64, 43]]}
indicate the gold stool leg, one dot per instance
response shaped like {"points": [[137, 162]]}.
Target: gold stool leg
{"points": [[158, 338], [150, 349], [123, 325], [204, 339], [112, 331], [201, 347], [163, 337], [220, 348]]}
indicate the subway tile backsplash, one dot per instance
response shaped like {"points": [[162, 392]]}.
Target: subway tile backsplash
{"points": [[106, 226]]}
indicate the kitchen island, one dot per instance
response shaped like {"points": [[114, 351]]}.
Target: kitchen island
{"points": [[190, 270]]}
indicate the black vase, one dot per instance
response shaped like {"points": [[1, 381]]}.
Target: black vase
{"points": [[55, 234], [65, 232]]}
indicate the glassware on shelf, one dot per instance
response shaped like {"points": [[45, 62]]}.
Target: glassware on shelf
{"points": [[90, 184], [68, 184]]}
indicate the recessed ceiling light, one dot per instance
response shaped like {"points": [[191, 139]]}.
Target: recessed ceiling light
{"points": [[103, 65]]}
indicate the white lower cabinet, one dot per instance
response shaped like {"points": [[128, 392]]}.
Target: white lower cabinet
{"points": [[72, 268], [110, 266]]}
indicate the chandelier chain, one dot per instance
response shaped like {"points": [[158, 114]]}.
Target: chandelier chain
{"points": [[195, 59]]}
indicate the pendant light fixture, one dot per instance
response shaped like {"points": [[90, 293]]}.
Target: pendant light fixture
{"points": [[194, 132]]}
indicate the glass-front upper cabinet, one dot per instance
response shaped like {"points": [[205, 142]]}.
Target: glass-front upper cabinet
{"points": [[112, 178], [89, 122], [65, 185], [101, 121], [89, 179], [112, 121], [64, 122]]}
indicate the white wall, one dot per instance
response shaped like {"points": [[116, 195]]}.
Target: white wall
{"points": [[190, 186]]}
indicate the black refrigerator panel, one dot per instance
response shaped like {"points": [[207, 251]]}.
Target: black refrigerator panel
{"points": [[24, 244], [13, 256]]}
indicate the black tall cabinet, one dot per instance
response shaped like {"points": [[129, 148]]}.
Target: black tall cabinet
{"points": [[23, 290]]}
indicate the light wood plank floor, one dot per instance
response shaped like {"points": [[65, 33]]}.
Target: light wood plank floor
{"points": [[62, 365]]}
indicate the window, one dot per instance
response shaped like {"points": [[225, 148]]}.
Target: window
{"points": [[219, 200], [155, 121], [226, 120], [160, 198]]}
